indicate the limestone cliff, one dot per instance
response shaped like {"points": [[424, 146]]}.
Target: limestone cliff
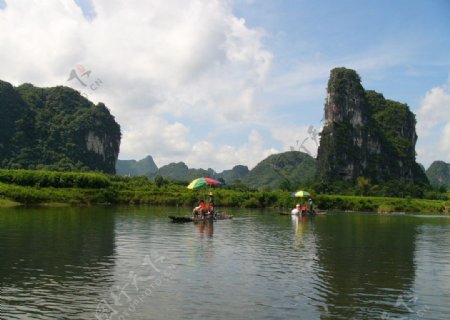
{"points": [[366, 135], [56, 129]]}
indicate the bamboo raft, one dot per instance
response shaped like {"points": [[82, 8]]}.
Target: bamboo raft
{"points": [[201, 218]]}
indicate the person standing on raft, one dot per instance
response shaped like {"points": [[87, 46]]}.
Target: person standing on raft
{"points": [[211, 203]]}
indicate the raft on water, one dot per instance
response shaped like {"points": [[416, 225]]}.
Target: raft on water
{"points": [[200, 218], [306, 213]]}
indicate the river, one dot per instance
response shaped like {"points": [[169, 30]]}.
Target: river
{"points": [[133, 263]]}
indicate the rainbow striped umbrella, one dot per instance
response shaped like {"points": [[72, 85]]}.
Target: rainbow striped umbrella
{"points": [[301, 194], [200, 182]]}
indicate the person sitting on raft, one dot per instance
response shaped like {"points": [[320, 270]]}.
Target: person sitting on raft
{"points": [[304, 208], [297, 210], [201, 208]]}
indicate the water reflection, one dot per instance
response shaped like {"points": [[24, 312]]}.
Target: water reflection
{"points": [[60, 263], [366, 263], [205, 228], [49, 256]]}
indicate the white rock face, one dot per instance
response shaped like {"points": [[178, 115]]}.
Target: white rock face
{"points": [[95, 143]]}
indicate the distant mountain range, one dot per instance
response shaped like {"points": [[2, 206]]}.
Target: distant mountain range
{"points": [[176, 171], [439, 174], [364, 135], [144, 167], [288, 168]]}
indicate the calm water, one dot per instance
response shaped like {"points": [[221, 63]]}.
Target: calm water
{"points": [[132, 263]]}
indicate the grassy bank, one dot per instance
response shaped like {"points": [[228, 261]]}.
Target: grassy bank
{"points": [[382, 204], [24, 187]]}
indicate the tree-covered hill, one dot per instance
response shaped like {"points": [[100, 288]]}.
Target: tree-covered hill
{"points": [[439, 174], [56, 129], [282, 171], [180, 171], [143, 167], [236, 173]]}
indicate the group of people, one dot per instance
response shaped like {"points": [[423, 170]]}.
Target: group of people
{"points": [[303, 208], [204, 208]]}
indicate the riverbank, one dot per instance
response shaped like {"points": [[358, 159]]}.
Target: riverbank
{"points": [[30, 188]]}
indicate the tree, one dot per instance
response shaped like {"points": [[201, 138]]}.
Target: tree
{"points": [[160, 181], [363, 185]]}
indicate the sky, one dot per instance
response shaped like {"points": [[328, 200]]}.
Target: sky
{"points": [[216, 83]]}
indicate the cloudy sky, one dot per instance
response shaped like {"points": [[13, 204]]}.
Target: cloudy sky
{"points": [[216, 83]]}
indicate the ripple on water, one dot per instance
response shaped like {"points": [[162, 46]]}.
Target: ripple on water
{"points": [[259, 266]]}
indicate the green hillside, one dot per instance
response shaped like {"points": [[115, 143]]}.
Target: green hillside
{"points": [[56, 129], [143, 167], [439, 174], [284, 170]]}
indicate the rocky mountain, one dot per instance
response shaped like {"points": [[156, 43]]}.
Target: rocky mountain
{"points": [[237, 173], [177, 171], [56, 129], [439, 174], [180, 171], [366, 135], [143, 167], [284, 170]]}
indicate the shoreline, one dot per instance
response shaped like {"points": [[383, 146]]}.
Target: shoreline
{"points": [[383, 206], [72, 189]]}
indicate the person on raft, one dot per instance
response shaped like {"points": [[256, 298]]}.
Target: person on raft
{"points": [[201, 208], [311, 205], [297, 210], [211, 203]]}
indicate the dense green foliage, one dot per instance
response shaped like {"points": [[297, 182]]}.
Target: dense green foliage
{"points": [[40, 187], [439, 174], [57, 129], [34, 178], [285, 171]]}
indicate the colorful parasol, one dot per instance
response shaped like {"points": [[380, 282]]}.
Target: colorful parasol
{"points": [[200, 182], [300, 194]]}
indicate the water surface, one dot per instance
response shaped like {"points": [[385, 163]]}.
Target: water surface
{"points": [[132, 263]]}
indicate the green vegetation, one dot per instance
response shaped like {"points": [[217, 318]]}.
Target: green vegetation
{"points": [[55, 129], [282, 171], [29, 187], [439, 175], [46, 179], [382, 204], [6, 203]]}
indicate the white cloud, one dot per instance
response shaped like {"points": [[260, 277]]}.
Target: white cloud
{"points": [[164, 66], [445, 141], [434, 108], [170, 139], [249, 153], [298, 137], [433, 119]]}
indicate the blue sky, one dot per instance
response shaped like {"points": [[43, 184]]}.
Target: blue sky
{"points": [[219, 83]]}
